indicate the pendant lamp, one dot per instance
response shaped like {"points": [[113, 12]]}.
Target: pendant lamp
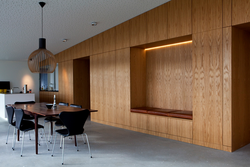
{"points": [[42, 60]]}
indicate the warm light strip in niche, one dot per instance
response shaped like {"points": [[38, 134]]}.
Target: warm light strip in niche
{"points": [[164, 46]]}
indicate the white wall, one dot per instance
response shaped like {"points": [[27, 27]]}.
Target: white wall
{"points": [[18, 73]]}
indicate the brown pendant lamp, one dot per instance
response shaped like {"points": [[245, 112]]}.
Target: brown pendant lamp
{"points": [[42, 60]]}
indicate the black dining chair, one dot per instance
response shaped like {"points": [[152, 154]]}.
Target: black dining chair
{"points": [[10, 114], [26, 116], [75, 105], [25, 126], [74, 122], [53, 119]]}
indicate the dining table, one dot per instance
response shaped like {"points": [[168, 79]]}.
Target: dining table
{"points": [[40, 109]]}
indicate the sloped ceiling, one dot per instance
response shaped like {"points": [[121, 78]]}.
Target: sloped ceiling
{"points": [[20, 22]]}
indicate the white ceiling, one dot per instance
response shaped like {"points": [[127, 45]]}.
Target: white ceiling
{"points": [[20, 22]]}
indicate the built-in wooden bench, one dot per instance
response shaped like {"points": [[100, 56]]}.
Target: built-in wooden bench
{"points": [[184, 114]]}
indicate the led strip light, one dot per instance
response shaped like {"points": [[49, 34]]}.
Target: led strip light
{"points": [[174, 44]]}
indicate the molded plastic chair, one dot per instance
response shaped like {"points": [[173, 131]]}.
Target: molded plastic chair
{"points": [[10, 114], [25, 116], [24, 126], [75, 105], [74, 121]]}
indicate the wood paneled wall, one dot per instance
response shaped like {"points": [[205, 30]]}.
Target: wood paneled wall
{"points": [[218, 76], [207, 88], [169, 77]]}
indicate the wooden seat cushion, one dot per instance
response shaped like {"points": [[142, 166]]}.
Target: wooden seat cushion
{"points": [[181, 114], [160, 111], [143, 110]]}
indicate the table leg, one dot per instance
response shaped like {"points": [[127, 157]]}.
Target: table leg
{"points": [[75, 140], [36, 132], [18, 135]]}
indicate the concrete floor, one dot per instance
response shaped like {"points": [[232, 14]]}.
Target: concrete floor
{"points": [[114, 147]]}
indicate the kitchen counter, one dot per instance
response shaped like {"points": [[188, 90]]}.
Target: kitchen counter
{"points": [[8, 98]]}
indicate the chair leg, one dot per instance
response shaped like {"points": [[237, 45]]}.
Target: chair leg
{"points": [[54, 146], [88, 145], [61, 142], [63, 151], [22, 144], [76, 143], [83, 139], [14, 139], [8, 134], [29, 135], [45, 139]]}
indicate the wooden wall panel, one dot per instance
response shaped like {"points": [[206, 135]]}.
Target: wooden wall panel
{"points": [[240, 11], [207, 87], [81, 82], [179, 18], [138, 77], [109, 40], [179, 127], [109, 86], [227, 13], [138, 30], [157, 24], [227, 86], [169, 77], [206, 15], [123, 86], [82, 49], [97, 44], [93, 86], [240, 88], [122, 35]]}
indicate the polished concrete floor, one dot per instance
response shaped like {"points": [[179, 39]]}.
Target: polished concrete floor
{"points": [[114, 147]]}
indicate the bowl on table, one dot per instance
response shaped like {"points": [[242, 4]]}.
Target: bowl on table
{"points": [[49, 106]]}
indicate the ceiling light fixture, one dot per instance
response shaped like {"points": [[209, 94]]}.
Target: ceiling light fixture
{"points": [[64, 40], [93, 23], [42, 60]]}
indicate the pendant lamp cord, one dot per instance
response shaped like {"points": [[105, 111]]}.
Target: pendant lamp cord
{"points": [[42, 22]]}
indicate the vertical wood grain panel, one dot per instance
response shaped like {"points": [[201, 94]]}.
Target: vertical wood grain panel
{"points": [[179, 18], [138, 30], [157, 24], [109, 40], [227, 13], [206, 15], [93, 85], [109, 86], [123, 86], [240, 88], [82, 49], [179, 127], [122, 35], [169, 77], [240, 11], [207, 87], [97, 44], [227, 86], [138, 77]]}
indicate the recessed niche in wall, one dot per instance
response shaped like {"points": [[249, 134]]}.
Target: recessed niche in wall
{"points": [[162, 77]]}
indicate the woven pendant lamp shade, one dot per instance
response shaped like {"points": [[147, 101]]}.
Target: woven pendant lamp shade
{"points": [[42, 60]]}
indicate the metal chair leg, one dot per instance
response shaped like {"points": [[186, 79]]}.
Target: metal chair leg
{"points": [[8, 134], [76, 143], [22, 145], [54, 146], [88, 145], [83, 139], [14, 139], [61, 142], [63, 151], [45, 139]]}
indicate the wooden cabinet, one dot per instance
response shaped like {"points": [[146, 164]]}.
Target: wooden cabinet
{"points": [[109, 40], [240, 11], [138, 27], [179, 18], [97, 44], [122, 35]]}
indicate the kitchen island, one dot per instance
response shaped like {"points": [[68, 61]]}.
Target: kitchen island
{"points": [[7, 98]]}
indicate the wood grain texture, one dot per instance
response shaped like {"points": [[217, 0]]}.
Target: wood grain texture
{"points": [[109, 40], [97, 44], [82, 49], [240, 88], [227, 86], [122, 35], [169, 77], [123, 86], [240, 11], [227, 13], [138, 30], [109, 86], [93, 85], [157, 24], [180, 127], [81, 77], [207, 87], [179, 18], [138, 77], [206, 15]]}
